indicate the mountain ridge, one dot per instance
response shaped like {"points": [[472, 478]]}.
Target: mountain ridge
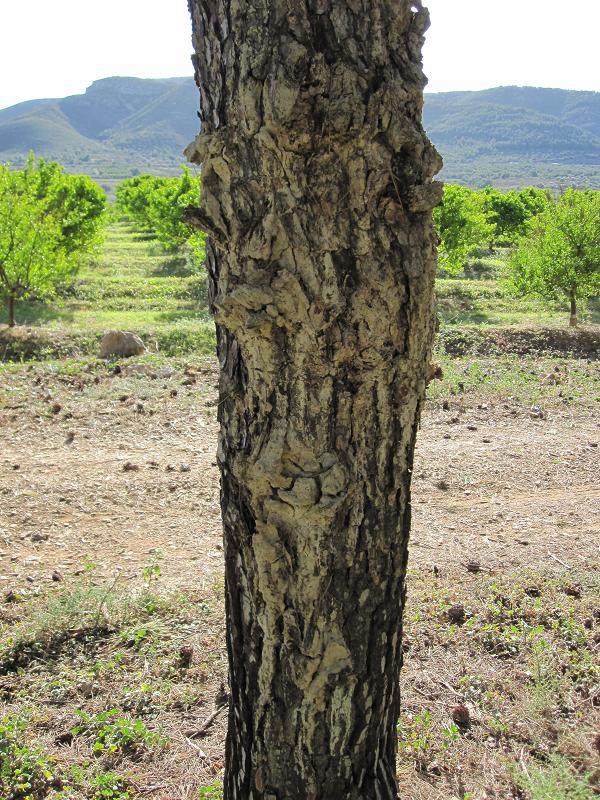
{"points": [[507, 135]]}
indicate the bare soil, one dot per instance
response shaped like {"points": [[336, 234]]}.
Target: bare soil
{"points": [[118, 470], [110, 479]]}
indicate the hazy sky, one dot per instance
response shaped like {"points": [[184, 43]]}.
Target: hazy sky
{"points": [[52, 49]]}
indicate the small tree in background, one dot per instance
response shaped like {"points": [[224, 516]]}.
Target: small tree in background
{"points": [[462, 226], [509, 212], [559, 256], [49, 222], [157, 204]]}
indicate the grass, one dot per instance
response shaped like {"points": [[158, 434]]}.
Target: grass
{"points": [[500, 687], [534, 380], [135, 285], [94, 682]]}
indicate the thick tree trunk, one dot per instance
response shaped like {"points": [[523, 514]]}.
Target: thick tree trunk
{"points": [[317, 196], [573, 317], [10, 302]]}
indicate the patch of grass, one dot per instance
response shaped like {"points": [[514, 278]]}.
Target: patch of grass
{"points": [[555, 781], [108, 697], [514, 680], [26, 773], [111, 734], [525, 379], [213, 792]]}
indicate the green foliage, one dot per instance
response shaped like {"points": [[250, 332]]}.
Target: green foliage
{"points": [[462, 226], [559, 256], [555, 781], [25, 772], [113, 734], [509, 212], [49, 223], [157, 205], [212, 792], [110, 786]]}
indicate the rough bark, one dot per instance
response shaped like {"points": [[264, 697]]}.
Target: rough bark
{"points": [[10, 302], [573, 317], [317, 195]]}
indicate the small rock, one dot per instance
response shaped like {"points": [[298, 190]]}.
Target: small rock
{"points": [[86, 688], [456, 614], [572, 591], [122, 344], [535, 412], [139, 408], [533, 591], [130, 467], [65, 738], [57, 577], [471, 427], [38, 536], [173, 393], [487, 441], [461, 716], [473, 567], [447, 436], [443, 485], [70, 437], [185, 468], [16, 466], [446, 405], [56, 408], [186, 656], [593, 444]]}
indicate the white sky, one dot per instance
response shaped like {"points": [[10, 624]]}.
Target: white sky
{"points": [[58, 47]]}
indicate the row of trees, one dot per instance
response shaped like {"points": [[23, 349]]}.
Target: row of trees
{"points": [[555, 241], [50, 222], [157, 204]]}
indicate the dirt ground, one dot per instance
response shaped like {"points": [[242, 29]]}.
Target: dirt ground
{"points": [[117, 469], [109, 480]]}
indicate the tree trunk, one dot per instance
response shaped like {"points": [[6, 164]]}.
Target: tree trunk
{"points": [[11, 311], [317, 196], [573, 317]]}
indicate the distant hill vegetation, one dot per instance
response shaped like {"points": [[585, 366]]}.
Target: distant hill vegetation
{"points": [[509, 136]]}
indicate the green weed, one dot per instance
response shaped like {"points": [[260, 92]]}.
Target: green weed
{"points": [[113, 734]]}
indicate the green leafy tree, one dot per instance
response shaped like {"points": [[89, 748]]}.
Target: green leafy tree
{"points": [[134, 197], [560, 254], [158, 204], [49, 222], [462, 226]]}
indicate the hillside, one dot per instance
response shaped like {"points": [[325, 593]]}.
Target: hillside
{"points": [[507, 136], [119, 126], [517, 135]]}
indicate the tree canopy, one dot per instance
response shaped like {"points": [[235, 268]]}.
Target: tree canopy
{"points": [[157, 204], [559, 254], [49, 222], [462, 225]]}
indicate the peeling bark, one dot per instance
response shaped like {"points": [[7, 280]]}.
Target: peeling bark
{"points": [[317, 194]]}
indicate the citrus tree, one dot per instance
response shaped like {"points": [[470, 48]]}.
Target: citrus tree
{"points": [[559, 256], [509, 212], [462, 226], [49, 222]]}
